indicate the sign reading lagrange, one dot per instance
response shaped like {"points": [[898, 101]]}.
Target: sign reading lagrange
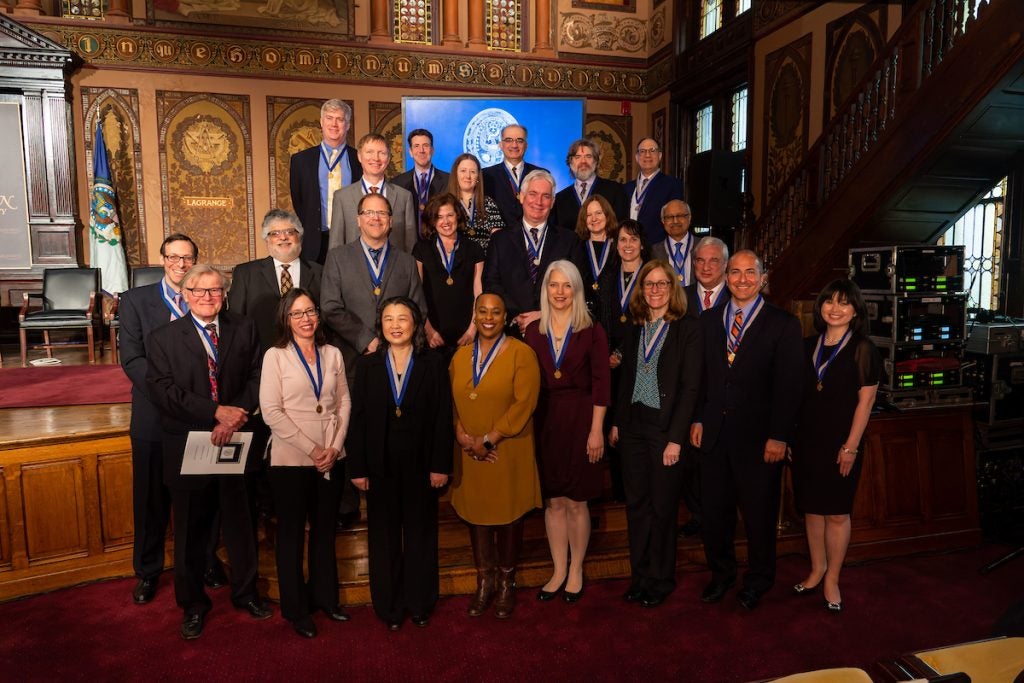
{"points": [[15, 245]]}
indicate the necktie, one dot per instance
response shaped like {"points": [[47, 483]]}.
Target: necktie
{"points": [[583, 191], [534, 262], [211, 364], [643, 185], [515, 173], [680, 264], [333, 184], [423, 184], [707, 299], [374, 190], [286, 279], [375, 255], [180, 303], [734, 335]]}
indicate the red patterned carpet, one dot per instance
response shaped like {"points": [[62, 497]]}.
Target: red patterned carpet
{"points": [[63, 385], [95, 632]]}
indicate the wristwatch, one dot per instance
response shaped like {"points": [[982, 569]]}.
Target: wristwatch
{"points": [[488, 444]]}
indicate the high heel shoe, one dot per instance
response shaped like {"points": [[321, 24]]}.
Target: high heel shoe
{"points": [[834, 607], [547, 596], [800, 589]]}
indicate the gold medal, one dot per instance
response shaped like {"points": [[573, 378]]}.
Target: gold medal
{"points": [[398, 412], [622, 318], [680, 278], [376, 291], [449, 281], [472, 396], [594, 286], [536, 261], [558, 374], [319, 408], [820, 387]]}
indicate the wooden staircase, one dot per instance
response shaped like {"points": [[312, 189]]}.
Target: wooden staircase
{"points": [[937, 122]]}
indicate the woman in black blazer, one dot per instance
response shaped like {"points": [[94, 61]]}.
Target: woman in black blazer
{"points": [[400, 453], [661, 365]]}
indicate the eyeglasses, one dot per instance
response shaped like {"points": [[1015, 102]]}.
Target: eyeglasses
{"points": [[583, 157], [648, 150], [200, 292], [509, 141], [371, 213], [676, 216], [278, 234], [310, 313], [175, 259], [657, 284]]}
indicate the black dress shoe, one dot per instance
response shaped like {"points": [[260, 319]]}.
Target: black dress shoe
{"points": [[257, 610], [394, 624], [573, 598], [691, 528], [749, 599], [305, 627], [214, 577], [144, 591], [834, 607], [336, 613], [192, 626], [801, 589], [420, 620], [547, 596], [633, 595], [715, 591], [652, 600]]}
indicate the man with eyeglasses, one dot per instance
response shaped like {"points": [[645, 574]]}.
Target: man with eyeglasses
{"points": [[651, 190], [503, 181], [204, 375], [318, 172], [583, 159], [677, 242], [142, 310], [374, 155], [257, 286], [753, 353], [361, 274]]}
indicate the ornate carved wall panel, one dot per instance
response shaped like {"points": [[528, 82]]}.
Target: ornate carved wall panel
{"points": [[613, 5], [118, 109], [293, 125], [206, 172], [386, 120], [54, 497], [614, 134], [786, 112], [323, 17], [851, 45], [604, 33]]}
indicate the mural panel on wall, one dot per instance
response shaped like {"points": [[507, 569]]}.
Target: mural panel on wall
{"points": [[318, 16], [614, 135], [786, 112], [386, 120], [614, 5], [293, 124], [851, 44], [206, 172], [117, 109]]}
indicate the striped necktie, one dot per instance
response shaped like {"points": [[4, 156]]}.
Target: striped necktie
{"points": [[286, 279], [734, 335], [211, 364]]}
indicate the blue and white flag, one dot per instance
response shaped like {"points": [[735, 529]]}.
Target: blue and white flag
{"points": [[106, 247]]}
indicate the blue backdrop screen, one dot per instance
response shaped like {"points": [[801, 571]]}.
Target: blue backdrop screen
{"points": [[473, 124]]}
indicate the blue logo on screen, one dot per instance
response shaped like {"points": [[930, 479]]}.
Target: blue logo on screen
{"points": [[483, 135]]}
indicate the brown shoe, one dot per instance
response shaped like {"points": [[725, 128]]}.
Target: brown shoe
{"points": [[484, 592], [485, 558], [505, 600]]}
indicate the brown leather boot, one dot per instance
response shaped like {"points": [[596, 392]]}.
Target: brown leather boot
{"points": [[510, 540], [485, 558], [505, 600]]}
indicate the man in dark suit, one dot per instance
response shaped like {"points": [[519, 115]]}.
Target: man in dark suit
{"points": [[361, 274], [142, 310], [318, 172], [677, 245], [518, 255], [752, 353], [583, 160], [502, 182], [423, 180], [204, 375], [709, 259], [257, 286], [651, 190]]}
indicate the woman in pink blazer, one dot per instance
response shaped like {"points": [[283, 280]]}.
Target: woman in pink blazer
{"points": [[305, 401]]}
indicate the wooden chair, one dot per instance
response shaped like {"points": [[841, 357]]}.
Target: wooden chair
{"points": [[995, 660], [68, 303], [143, 275]]}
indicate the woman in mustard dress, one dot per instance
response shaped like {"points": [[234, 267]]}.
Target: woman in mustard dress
{"points": [[495, 385]]}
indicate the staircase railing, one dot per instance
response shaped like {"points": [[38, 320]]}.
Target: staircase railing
{"points": [[925, 37]]}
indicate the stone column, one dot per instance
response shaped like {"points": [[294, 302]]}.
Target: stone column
{"points": [[476, 24], [542, 38], [380, 29], [452, 31]]}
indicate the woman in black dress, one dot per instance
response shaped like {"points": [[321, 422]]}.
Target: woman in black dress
{"points": [[840, 385], [466, 182], [399, 450], [596, 226], [450, 266]]}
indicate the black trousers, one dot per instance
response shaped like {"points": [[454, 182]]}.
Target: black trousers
{"points": [[302, 494], [733, 476], [652, 502], [194, 509], [151, 506], [401, 519], [690, 462]]}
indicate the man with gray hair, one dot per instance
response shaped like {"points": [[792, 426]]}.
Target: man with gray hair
{"points": [[318, 172], [503, 182], [583, 159], [257, 286], [709, 259]]}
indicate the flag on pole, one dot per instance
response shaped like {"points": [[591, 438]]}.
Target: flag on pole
{"points": [[106, 246]]}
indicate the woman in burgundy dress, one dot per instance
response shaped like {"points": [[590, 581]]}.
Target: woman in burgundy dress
{"points": [[572, 351]]}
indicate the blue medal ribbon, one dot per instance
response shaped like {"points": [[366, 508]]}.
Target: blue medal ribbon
{"points": [[376, 272], [511, 179], [327, 159], [590, 191], [625, 292], [728, 320], [638, 197], [167, 294], [651, 345], [472, 214], [538, 248], [479, 370], [447, 260], [366, 188], [679, 265], [422, 191], [597, 263], [557, 358], [318, 381], [820, 365], [211, 350], [398, 387]]}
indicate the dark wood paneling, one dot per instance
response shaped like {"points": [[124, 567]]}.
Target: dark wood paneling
{"points": [[54, 499], [115, 499]]}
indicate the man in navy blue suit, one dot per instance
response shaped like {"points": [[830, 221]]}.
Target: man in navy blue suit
{"points": [[503, 182], [583, 159], [651, 190]]}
